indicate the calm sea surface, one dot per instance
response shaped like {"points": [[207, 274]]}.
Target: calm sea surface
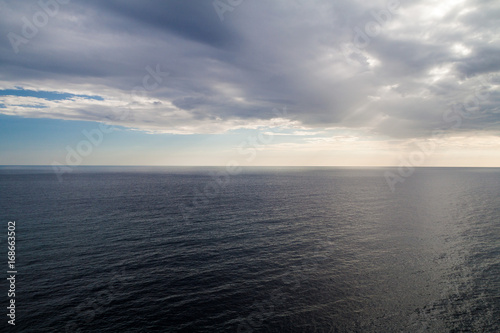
{"points": [[266, 250]]}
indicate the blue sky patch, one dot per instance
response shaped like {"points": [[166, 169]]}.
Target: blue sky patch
{"points": [[48, 95]]}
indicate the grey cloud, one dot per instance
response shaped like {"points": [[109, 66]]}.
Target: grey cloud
{"points": [[484, 60], [194, 20]]}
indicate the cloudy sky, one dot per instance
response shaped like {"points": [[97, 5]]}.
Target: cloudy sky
{"points": [[296, 82]]}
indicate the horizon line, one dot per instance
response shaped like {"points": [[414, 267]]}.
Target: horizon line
{"points": [[249, 166]]}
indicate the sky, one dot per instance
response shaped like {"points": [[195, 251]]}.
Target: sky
{"points": [[212, 82]]}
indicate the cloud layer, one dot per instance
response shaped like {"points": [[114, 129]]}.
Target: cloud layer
{"points": [[388, 68]]}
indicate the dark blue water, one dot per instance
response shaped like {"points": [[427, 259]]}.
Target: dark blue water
{"points": [[264, 250]]}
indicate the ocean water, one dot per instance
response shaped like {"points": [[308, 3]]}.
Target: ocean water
{"points": [[135, 249]]}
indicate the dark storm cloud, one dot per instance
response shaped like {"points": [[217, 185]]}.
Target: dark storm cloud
{"points": [[193, 20], [264, 55]]}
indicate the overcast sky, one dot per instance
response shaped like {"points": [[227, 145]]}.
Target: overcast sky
{"points": [[293, 82]]}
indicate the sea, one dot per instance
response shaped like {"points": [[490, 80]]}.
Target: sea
{"points": [[252, 249]]}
